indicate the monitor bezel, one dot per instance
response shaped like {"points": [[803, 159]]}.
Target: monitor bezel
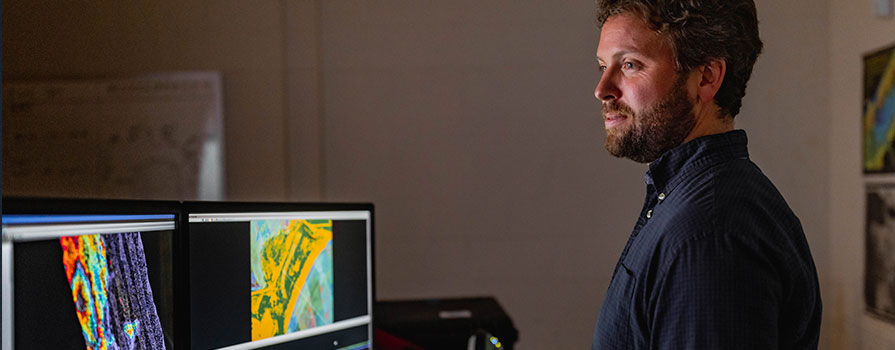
{"points": [[183, 338], [73, 206]]}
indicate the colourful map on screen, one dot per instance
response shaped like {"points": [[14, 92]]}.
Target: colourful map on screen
{"points": [[292, 276], [111, 292]]}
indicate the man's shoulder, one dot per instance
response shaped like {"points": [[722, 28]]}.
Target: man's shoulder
{"points": [[731, 198], [735, 186], [745, 198]]}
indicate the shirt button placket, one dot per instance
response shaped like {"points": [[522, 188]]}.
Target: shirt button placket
{"points": [[661, 197]]}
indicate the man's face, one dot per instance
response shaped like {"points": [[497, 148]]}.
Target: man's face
{"points": [[646, 104]]}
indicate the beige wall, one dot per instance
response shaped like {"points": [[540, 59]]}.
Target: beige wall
{"points": [[855, 31], [472, 127]]}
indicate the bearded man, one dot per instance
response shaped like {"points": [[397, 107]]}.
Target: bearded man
{"points": [[717, 259]]}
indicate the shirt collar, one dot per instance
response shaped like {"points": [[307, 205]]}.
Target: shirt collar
{"points": [[677, 163]]}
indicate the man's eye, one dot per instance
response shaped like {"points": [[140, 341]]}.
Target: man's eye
{"points": [[602, 68], [629, 65]]}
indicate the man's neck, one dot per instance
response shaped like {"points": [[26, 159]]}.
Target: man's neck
{"points": [[709, 122], [705, 129]]}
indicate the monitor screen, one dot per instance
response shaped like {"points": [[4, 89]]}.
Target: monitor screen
{"points": [[88, 274], [279, 276]]}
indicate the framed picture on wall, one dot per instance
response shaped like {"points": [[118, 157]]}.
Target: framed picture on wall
{"points": [[879, 111], [879, 276]]}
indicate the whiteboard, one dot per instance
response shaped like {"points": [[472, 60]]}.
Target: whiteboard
{"points": [[157, 136]]}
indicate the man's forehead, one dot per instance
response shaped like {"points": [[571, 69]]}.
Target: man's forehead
{"points": [[626, 33]]}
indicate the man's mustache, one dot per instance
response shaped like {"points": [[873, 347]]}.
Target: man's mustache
{"points": [[617, 108]]}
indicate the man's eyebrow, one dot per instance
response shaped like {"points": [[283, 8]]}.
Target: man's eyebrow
{"points": [[616, 54]]}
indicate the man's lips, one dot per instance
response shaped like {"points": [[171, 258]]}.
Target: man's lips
{"points": [[614, 119]]}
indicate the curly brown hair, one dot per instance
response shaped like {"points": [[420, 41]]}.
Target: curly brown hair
{"points": [[700, 31]]}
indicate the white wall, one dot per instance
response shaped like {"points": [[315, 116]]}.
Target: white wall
{"points": [[855, 31]]}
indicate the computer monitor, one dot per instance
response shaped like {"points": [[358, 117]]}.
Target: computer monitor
{"points": [[278, 275], [88, 274]]}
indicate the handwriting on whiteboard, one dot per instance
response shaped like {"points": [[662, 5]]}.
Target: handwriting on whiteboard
{"points": [[150, 137]]}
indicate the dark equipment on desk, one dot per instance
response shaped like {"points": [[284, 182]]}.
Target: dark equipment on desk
{"points": [[448, 324]]}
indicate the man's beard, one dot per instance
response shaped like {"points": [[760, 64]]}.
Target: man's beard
{"points": [[654, 130]]}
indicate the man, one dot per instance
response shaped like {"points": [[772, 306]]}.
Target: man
{"points": [[717, 260]]}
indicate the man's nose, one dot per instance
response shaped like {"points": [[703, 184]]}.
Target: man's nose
{"points": [[606, 89]]}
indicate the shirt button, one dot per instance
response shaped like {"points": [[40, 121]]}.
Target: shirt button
{"points": [[661, 196], [649, 213]]}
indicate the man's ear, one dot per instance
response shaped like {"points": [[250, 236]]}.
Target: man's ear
{"points": [[711, 76]]}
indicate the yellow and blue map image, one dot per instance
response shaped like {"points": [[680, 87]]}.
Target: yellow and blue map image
{"points": [[879, 112], [292, 276]]}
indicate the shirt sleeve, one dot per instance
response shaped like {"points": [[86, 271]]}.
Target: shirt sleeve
{"points": [[717, 292]]}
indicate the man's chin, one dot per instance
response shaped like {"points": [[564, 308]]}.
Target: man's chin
{"points": [[619, 147], [614, 146], [614, 135]]}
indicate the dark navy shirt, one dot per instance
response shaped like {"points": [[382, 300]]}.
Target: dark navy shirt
{"points": [[717, 260]]}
